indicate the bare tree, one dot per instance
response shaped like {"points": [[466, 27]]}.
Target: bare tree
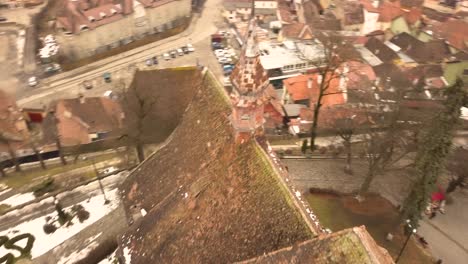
{"points": [[49, 128], [7, 141], [34, 140], [336, 51], [391, 139], [345, 129], [139, 106]]}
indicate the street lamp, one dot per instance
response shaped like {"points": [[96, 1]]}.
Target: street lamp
{"points": [[411, 232], [99, 180]]}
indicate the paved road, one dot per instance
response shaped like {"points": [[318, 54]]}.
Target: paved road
{"points": [[122, 66]]}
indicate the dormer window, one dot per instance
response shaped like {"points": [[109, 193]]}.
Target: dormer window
{"points": [[91, 19], [102, 14]]}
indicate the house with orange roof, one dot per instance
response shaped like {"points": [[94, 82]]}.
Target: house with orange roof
{"points": [[84, 120], [304, 89], [379, 15]]}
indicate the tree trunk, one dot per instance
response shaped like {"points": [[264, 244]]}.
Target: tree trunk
{"points": [[367, 182], [349, 157], [59, 148], [140, 152], [13, 157], [313, 131], [39, 157]]}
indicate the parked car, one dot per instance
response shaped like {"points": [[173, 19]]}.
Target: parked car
{"points": [[227, 81], [54, 67], [32, 81], [185, 49], [108, 170], [111, 95], [155, 60], [107, 77], [224, 60], [166, 56], [180, 52], [190, 48], [173, 54], [217, 45], [87, 85], [219, 52], [149, 62]]}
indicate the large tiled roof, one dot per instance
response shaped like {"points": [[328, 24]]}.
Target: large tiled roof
{"points": [[350, 246], [208, 199]]}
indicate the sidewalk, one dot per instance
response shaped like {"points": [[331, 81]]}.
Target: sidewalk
{"points": [[447, 233]]}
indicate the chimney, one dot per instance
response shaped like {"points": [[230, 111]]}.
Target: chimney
{"points": [[82, 98], [309, 83], [376, 3]]}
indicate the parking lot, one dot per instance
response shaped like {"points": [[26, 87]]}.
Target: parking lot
{"points": [[122, 77]]}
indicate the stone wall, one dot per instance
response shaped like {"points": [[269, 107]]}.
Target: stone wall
{"points": [[124, 31]]}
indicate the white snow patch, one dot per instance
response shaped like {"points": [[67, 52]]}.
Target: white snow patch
{"points": [[19, 199], [127, 256], [43, 243], [464, 113], [4, 191]]}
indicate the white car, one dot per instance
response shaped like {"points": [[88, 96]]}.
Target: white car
{"points": [[227, 81], [190, 48], [32, 81], [166, 56], [108, 170], [180, 52], [225, 60]]}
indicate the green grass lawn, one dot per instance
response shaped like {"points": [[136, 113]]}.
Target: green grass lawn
{"points": [[28, 176], [376, 213]]}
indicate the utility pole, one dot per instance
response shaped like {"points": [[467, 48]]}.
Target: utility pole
{"points": [[411, 231], [99, 180]]}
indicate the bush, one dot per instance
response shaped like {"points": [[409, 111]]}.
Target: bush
{"points": [[44, 187], [80, 212], [49, 228]]}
